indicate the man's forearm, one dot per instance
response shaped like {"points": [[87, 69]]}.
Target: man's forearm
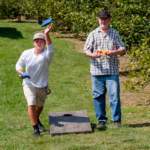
{"points": [[48, 39], [120, 52], [19, 70], [90, 54]]}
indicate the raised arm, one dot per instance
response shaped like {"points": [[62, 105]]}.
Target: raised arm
{"points": [[46, 32]]}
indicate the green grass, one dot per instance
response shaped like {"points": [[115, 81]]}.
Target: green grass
{"points": [[71, 91]]}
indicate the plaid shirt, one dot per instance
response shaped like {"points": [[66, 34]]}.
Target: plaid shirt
{"points": [[97, 40]]}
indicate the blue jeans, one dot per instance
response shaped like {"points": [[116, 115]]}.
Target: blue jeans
{"points": [[101, 84]]}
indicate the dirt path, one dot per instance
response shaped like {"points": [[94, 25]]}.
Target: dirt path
{"points": [[128, 98]]}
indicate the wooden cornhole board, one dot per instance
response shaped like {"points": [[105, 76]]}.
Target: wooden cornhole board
{"points": [[69, 122]]}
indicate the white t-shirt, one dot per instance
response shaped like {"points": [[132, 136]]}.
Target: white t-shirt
{"points": [[36, 66]]}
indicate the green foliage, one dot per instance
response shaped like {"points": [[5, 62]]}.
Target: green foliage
{"points": [[140, 63], [11, 8]]}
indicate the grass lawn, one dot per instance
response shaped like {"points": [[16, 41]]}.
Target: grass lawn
{"points": [[71, 91]]}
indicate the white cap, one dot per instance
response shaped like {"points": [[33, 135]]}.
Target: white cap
{"points": [[39, 35]]}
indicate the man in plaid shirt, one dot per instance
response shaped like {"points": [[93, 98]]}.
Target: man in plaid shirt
{"points": [[103, 45]]}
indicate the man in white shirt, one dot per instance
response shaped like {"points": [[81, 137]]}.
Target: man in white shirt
{"points": [[32, 67]]}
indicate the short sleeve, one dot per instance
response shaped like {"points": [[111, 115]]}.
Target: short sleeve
{"points": [[118, 41], [89, 43], [21, 61], [49, 52]]}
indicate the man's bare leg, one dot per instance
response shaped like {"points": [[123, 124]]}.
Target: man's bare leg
{"points": [[33, 116]]}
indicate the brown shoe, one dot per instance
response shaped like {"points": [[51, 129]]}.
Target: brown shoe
{"points": [[117, 124], [101, 126]]}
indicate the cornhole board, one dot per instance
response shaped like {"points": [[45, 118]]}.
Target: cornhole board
{"points": [[69, 122]]}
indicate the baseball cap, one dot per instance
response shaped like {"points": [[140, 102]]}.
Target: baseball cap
{"points": [[39, 35], [104, 14]]}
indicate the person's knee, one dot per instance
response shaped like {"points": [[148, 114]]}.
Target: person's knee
{"points": [[31, 108]]}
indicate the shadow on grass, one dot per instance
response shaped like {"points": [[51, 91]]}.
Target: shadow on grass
{"points": [[125, 73], [10, 32], [139, 125], [24, 21]]}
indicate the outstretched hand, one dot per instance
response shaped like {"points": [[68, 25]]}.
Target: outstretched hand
{"points": [[48, 29]]}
